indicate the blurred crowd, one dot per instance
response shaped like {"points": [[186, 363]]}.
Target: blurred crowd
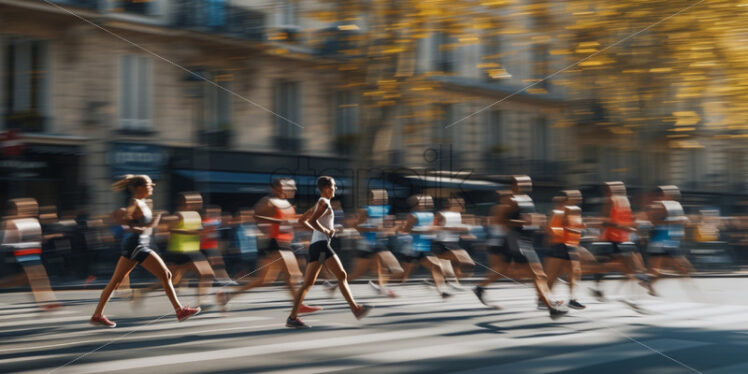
{"points": [[75, 246]]}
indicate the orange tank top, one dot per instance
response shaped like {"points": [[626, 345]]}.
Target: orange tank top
{"points": [[620, 215], [282, 232], [573, 216], [556, 226]]}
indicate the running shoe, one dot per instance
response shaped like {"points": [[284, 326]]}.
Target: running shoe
{"points": [[303, 308], [136, 298], [375, 286], [635, 307], [206, 307], [363, 311], [648, 286], [456, 286], [102, 321], [478, 291], [598, 294], [222, 299], [89, 280], [51, 307], [329, 287], [574, 304], [296, 323], [556, 304], [187, 312], [557, 313], [541, 305]]}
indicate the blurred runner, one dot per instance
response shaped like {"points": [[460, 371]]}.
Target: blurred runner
{"points": [[496, 244], [209, 244], [247, 237], [183, 249], [420, 225], [616, 246], [565, 229], [136, 249], [372, 251], [515, 213], [320, 252], [447, 244], [278, 257], [668, 220], [23, 239]]}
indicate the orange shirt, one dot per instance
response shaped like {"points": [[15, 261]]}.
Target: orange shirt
{"points": [[573, 220], [620, 215], [285, 235], [556, 226]]}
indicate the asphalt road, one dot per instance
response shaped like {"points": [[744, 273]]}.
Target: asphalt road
{"points": [[696, 326]]}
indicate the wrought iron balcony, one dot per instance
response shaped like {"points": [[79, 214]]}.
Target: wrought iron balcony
{"points": [[218, 17]]}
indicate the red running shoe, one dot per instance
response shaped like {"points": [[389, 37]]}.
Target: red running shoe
{"points": [[51, 307], [187, 312], [102, 321], [309, 309]]}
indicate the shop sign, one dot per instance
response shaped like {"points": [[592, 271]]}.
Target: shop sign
{"points": [[136, 158]]}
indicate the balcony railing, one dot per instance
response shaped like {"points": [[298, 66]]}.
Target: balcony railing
{"points": [[218, 17]]}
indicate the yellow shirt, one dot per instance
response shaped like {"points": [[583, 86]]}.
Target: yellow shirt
{"points": [[182, 243]]}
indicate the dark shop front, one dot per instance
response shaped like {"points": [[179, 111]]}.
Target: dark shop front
{"points": [[50, 173], [234, 180]]}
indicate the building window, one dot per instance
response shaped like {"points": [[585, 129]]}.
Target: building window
{"points": [[447, 135], [287, 106], [443, 115], [540, 142], [443, 52], [737, 170], [491, 50], [346, 120], [287, 13], [135, 93], [26, 92], [346, 113], [403, 118], [218, 103], [695, 168], [493, 137], [541, 68]]}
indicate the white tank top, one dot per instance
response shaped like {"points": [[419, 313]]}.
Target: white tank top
{"points": [[326, 220], [451, 219]]}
